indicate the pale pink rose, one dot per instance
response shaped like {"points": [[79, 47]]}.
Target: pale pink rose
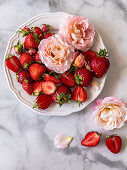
{"points": [[110, 113], [76, 31], [56, 54]]}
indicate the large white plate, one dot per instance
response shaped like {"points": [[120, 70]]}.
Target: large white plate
{"points": [[53, 19]]}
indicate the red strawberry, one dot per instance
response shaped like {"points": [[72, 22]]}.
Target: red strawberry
{"points": [[27, 86], [83, 77], [114, 143], [68, 79], [36, 70], [62, 95], [36, 58], [32, 51], [43, 101], [49, 70], [91, 139], [12, 62], [89, 55], [18, 48], [45, 28], [26, 60], [79, 95], [49, 34], [38, 31], [37, 87], [48, 77], [31, 41], [48, 87], [23, 75], [25, 31], [100, 64]]}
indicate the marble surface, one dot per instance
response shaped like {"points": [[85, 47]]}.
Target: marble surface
{"points": [[26, 138]]}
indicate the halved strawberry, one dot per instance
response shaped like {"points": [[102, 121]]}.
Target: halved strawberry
{"points": [[27, 86], [26, 60], [43, 101], [79, 95], [37, 87], [91, 139], [48, 87], [48, 77], [62, 95], [12, 62], [68, 79], [36, 70], [114, 143]]}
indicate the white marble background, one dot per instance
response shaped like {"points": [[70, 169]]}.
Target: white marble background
{"points": [[26, 139]]}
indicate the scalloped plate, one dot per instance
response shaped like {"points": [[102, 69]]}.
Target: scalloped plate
{"points": [[53, 19]]}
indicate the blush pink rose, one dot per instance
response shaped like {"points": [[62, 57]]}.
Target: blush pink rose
{"points": [[76, 31], [56, 54], [110, 113]]}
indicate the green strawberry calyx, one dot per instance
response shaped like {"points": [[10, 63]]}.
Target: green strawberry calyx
{"points": [[63, 98], [102, 53], [78, 79]]}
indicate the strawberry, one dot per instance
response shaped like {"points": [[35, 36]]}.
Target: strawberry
{"points": [[48, 87], [27, 86], [100, 64], [91, 139], [68, 79], [37, 87], [45, 28], [83, 77], [49, 70], [18, 48], [49, 34], [43, 101], [48, 77], [62, 95], [32, 51], [12, 62], [37, 31], [36, 70], [114, 143], [79, 95], [26, 60], [23, 75], [31, 41], [25, 31], [89, 55], [37, 59]]}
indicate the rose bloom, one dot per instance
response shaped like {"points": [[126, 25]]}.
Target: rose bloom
{"points": [[110, 113], [56, 54], [76, 31]]}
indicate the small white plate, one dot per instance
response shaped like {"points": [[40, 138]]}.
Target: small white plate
{"points": [[53, 19]]}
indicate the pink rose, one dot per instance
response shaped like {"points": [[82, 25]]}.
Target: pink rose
{"points": [[76, 31], [110, 113], [56, 54]]}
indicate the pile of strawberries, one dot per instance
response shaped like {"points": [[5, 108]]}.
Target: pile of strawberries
{"points": [[49, 86]]}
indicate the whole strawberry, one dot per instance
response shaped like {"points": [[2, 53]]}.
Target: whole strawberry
{"points": [[45, 28], [25, 31], [36, 70], [26, 60], [62, 95], [32, 51], [18, 48], [37, 31], [23, 75], [27, 86], [49, 34], [68, 79], [37, 58], [83, 77], [12, 62], [114, 143], [31, 41], [100, 64]]}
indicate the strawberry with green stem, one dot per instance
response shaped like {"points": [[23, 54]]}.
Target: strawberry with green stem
{"points": [[25, 31], [18, 48]]}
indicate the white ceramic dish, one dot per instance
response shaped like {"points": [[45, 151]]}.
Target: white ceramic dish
{"points": [[53, 19]]}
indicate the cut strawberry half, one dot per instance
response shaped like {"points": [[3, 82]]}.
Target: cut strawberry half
{"points": [[91, 139], [48, 87], [48, 77], [37, 88]]}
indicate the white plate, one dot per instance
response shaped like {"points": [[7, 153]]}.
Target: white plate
{"points": [[53, 19]]}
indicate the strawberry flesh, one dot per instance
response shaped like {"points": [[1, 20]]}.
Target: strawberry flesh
{"points": [[91, 139], [48, 77], [48, 87], [37, 87], [68, 79]]}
